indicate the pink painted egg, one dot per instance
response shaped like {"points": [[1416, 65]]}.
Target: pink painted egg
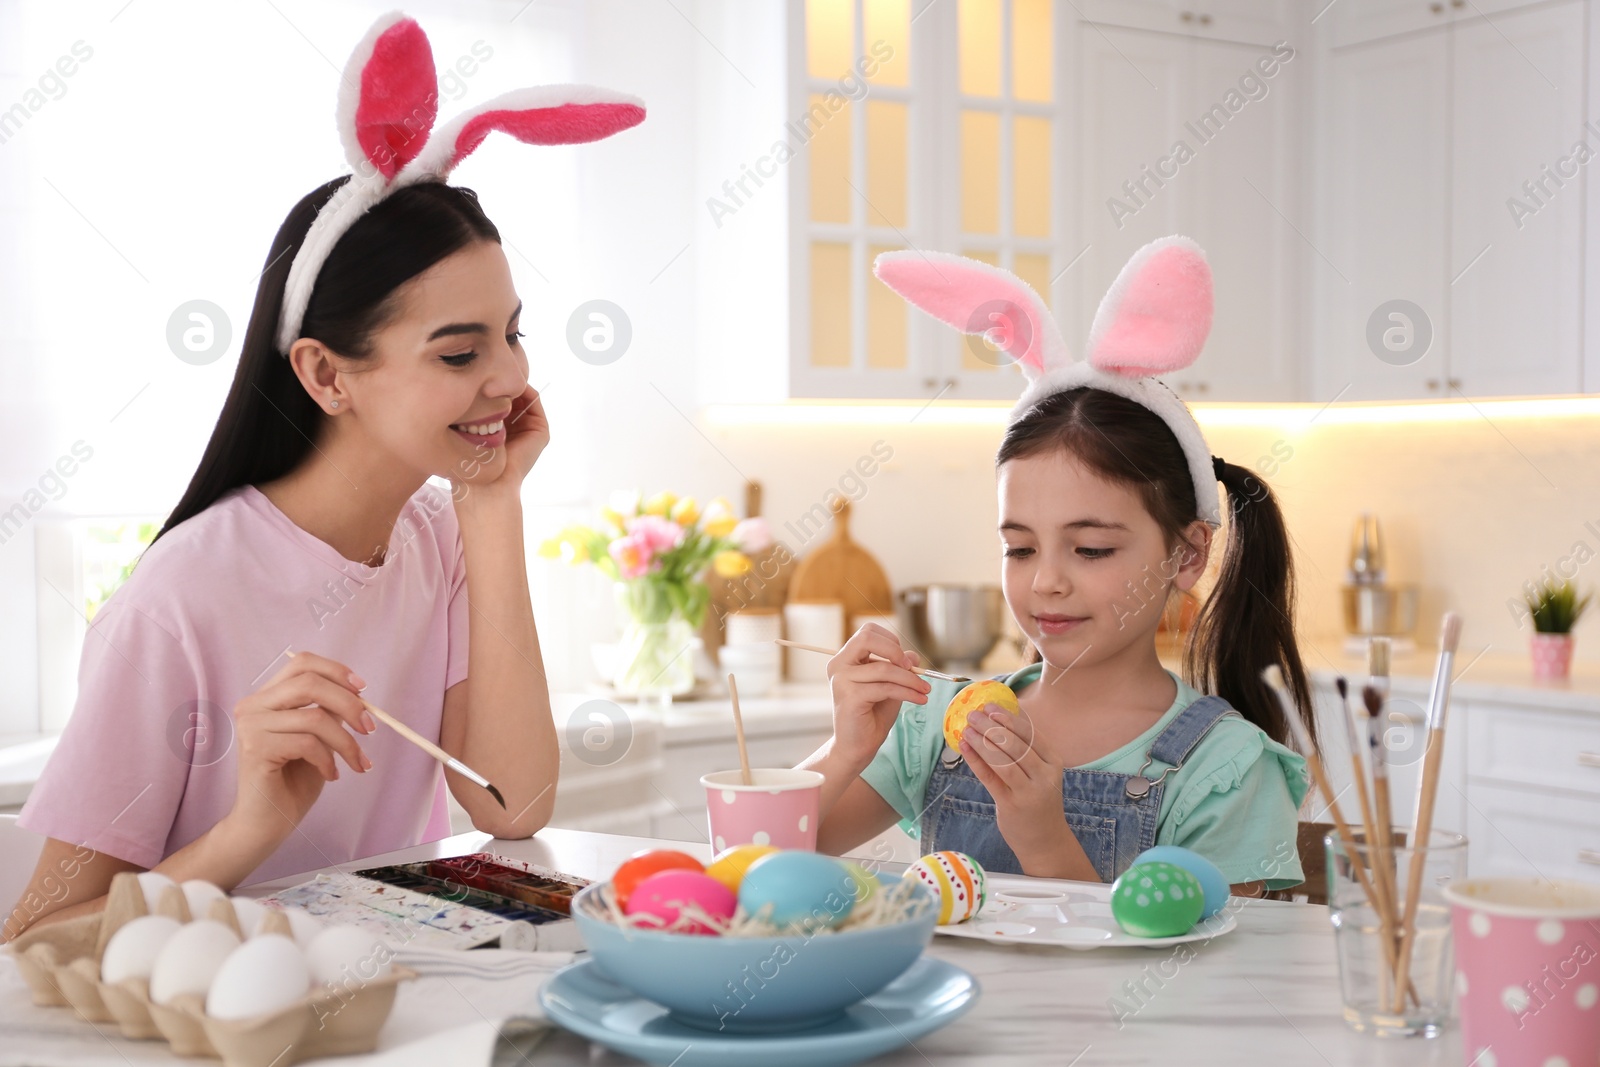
{"points": [[664, 894]]}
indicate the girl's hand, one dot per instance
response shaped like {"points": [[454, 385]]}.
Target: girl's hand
{"points": [[288, 734], [868, 691], [1026, 787]]}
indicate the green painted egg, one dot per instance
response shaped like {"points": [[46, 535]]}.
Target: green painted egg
{"points": [[1157, 900]]}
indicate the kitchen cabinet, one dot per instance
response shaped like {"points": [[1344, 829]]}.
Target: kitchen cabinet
{"points": [[1534, 785], [1153, 104], [1434, 188], [1246, 21], [1354, 21]]}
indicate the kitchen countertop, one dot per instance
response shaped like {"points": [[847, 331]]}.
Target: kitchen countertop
{"points": [[1267, 992]]}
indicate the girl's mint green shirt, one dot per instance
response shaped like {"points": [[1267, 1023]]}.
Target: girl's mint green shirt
{"points": [[1235, 800]]}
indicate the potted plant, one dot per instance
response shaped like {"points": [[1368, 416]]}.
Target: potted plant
{"points": [[1555, 608], [658, 552]]}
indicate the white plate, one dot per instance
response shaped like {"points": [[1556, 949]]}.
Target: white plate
{"points": [[1032, 911]]}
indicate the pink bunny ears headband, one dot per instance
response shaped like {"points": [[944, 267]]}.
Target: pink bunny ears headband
{"points": [[1152, 320], [388, 99]]}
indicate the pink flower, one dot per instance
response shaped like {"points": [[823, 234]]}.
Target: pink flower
{"points": [[655, 533], [753, 534], [632, 555]]}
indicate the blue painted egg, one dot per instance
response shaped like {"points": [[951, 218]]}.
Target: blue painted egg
{"points": [[800, 887], [1211, 879]]}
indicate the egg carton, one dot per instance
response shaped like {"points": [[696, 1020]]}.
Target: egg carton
{"points": [[60, 961]]}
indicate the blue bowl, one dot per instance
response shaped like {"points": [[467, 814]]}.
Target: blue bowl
{"points": [[753, 984]]}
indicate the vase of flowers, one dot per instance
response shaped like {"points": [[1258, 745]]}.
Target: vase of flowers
{"points": [[1555, 608], [658, 552]]}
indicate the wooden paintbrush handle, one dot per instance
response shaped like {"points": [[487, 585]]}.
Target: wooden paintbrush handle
{"points": [[409, 734], [1421, 832]]}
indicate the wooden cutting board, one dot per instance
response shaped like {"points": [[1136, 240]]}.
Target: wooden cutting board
{"points": [[840, 569], [766, 585]]}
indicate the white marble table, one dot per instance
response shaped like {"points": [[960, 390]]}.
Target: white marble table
{"points": [[1266, 993]]}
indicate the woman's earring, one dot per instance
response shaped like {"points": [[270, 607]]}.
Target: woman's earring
{"points": [[334, 404]]}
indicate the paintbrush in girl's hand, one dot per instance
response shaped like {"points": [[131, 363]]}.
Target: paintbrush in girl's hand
{"points": [[435, 751]]}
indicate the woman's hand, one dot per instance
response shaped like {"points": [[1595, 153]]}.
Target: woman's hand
{"points": [[527, 434], [1026, 787], [289, 734], [868, 691]]}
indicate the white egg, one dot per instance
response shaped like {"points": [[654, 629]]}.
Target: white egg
{"points": [[261, 976], [153, 883], [132, 950], [348, 956], [303, 925], [190, 959], [249, 912], [200, 894]]}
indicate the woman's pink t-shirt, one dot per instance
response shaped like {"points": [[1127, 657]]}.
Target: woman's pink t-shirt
{"points": [[147, 764]]}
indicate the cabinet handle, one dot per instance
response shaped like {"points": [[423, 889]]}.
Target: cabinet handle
{"points": [[1202, 387], [1187, 16], [1454, 383], [1436, 7], [1433, 383], [1458, 3], [1589, 855], [1589, 759], [1205, 20]]}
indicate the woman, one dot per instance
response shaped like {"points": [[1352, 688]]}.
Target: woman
{"points": [[309, 566]]}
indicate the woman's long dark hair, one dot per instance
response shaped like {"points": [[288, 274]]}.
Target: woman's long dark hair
{"points": [[1247, 622], [269, 421]]}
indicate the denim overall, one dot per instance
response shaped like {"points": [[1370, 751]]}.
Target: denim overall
{"points": [[1113, 815]]}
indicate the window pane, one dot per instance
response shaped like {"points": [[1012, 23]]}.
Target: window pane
{"points": [[886, 163], [976, 353], [980, 172], [830, 27], [830, 159], [979, 47], [1030, 176], [887, 24], [886, 319], [1035, 270], [830, 304], [1031, 45]]}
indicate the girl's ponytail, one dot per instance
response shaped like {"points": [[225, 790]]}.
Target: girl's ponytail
{"points": [[1247, 623]]}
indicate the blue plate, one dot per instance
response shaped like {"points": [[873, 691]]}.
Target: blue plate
{"points": [[930, 994]]}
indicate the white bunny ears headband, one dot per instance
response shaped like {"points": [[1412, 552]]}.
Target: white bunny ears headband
{"points": [[388, 99], [1153, 319]]}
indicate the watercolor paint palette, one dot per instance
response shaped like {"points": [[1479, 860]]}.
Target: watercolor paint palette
{"points": [[1075, 915], [459, 902]]}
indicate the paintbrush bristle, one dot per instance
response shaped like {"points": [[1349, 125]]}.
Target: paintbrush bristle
{"points": [[1378, 657], [1450, 632], [1343, 686], [1273, 676], [496, 794], [1373, 699]]}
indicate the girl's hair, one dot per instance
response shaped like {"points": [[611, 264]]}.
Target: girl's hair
{"points": [[1246, 624], [269, 422]]}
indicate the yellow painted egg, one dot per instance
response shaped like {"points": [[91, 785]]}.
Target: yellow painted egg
{"points": [[731, 863], [969, 700]]}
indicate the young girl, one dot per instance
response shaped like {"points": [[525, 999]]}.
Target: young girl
{"points": [[308, 562], [1108, 504]]}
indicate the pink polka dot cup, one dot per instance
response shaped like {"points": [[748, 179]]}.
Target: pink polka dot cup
{"points": [[1527, 970], [779, 809]]}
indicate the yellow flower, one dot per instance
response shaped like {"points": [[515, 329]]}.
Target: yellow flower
{"points": [[685, 512], [575, 552], [550, 548], [731, 564], [660, 504], [721, 527], [614, 517]]}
